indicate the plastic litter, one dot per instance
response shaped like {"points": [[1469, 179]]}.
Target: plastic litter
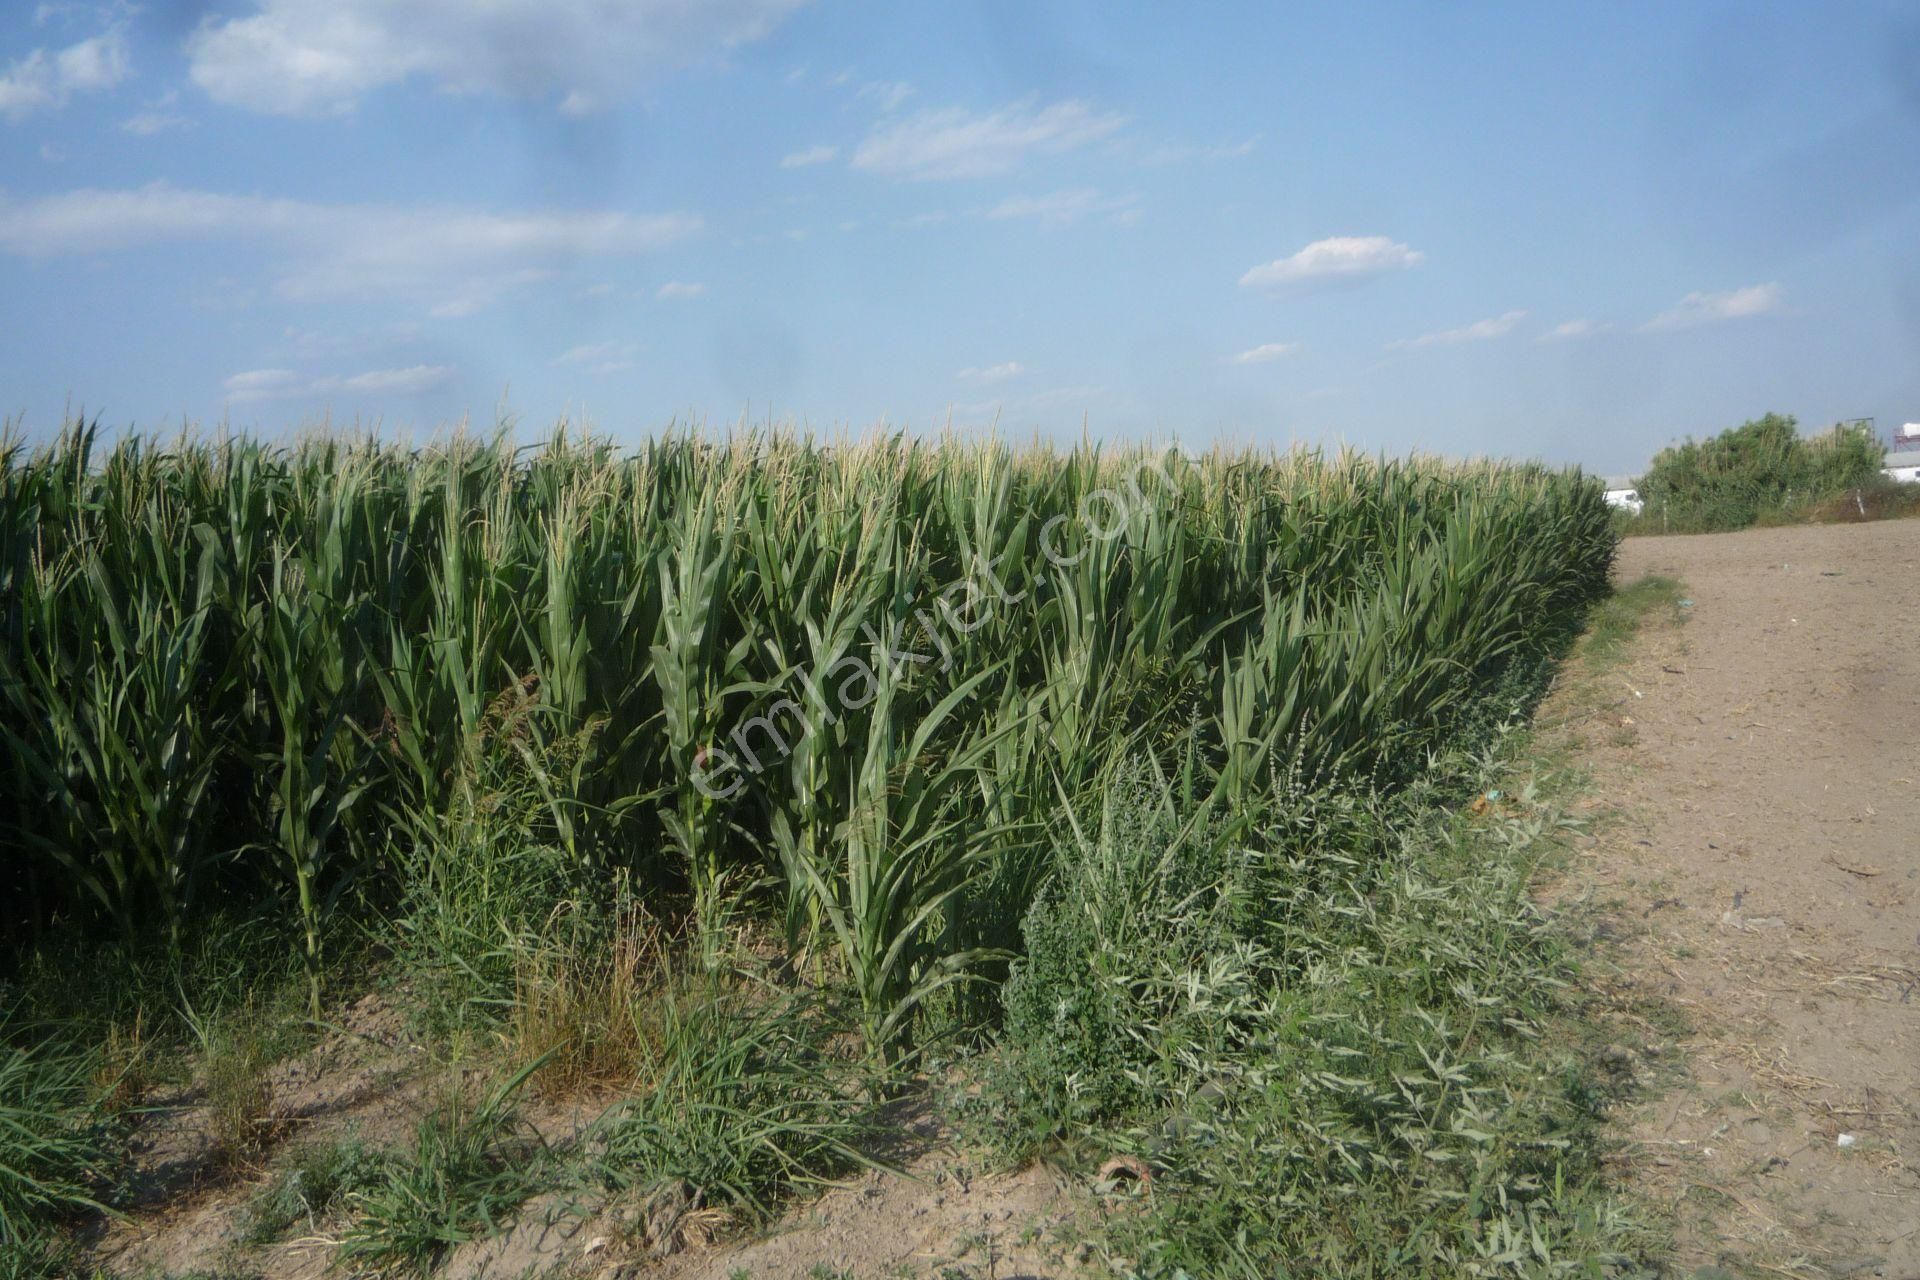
{"points": [[1846, 1140]]}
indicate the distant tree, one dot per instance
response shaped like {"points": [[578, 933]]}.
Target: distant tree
{"points": [[1757, 468]]}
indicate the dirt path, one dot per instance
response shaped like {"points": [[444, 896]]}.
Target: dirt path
{"points": [[1766, 757]]}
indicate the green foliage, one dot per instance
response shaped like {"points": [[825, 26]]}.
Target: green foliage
{"points": [[481, 880], [843, 687], [58, 1152], [1338, 1041], [1143, 891], [1759, 470]]}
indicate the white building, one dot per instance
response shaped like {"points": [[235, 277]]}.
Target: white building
{"points": [[1903, 460], [1624, 492]]}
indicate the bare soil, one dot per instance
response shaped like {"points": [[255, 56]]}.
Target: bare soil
{"points": [[1762, 761]]}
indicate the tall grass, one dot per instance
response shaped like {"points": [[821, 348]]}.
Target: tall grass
{"points": [[841, 686], [56, 1145]]}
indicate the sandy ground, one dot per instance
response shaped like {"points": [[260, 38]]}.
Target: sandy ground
{"points": [[1764, 760]]}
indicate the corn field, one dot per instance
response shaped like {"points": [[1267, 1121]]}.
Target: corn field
{"points": [[845, 688]]}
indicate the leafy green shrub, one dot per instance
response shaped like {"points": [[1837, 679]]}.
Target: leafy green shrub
{"points": [[1140, 894], [1762, 468], [1334, 1040], [1882, 498]]}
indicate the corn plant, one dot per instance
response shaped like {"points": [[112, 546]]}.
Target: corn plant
{"points": [[847, 686]]}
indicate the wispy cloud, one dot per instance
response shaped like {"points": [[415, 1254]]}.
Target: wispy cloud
{"points": [[1336, 259], [1573, 330], [887, 95], [263, 384], [1050, 403], [810, 156], [1266, 353], [44, 80], [680, 289], [599, 357], [1063, 208], [1710, 308], [335, 250], [1479, 331], [285, 384], [992, 372], [319, 57], [1181, 152], [414, 381], [145, 124], [952, 143]]}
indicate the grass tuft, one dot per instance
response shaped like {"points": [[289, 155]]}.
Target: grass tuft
{"points": [[470, 1167]]}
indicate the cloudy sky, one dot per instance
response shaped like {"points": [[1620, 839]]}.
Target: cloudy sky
{"points": [[1504, 228]]}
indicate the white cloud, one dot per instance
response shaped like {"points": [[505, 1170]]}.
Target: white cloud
{"points": [[285, 384], [680, 289], [414, 381], [44, 81], [600, 357], [479, 292], [810, 156], [1575, 329], [91, 65], [1050, 404], [888, 95], [263, 384], [1709, 308], [1181, 152], [318, 57], [1339, 258], [157, 118], [335, 250], [1478, 331], [993, 372], [951, 143], [1266, 353], [1062, 208]]}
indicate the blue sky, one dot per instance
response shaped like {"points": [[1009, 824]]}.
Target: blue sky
{"points": [[1547, 231]]}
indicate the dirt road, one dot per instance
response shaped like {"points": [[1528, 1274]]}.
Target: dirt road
{"points": [[1765, 756]]}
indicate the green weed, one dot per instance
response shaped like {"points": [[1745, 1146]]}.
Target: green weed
{"points": [[471, 1165]]}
